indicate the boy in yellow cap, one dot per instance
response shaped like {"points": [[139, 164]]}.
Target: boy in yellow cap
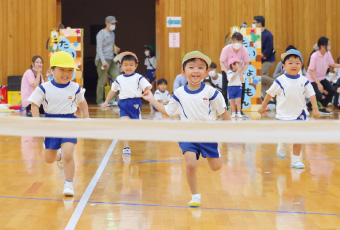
{"points": [[195, 101], [59, 98]]}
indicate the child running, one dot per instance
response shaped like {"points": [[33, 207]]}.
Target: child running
{"points": [[59, 98], [130, 86], [195, 101], [290, 90]]}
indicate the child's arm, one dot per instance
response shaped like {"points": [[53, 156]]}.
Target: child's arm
{"points": [[84, 109], [316, 113], [264, 104], [35, 110], [225, 115], [108, 98], [159, 106]]}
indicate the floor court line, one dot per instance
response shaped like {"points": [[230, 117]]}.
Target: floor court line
{"points": [[84, 199], [184, 207]]}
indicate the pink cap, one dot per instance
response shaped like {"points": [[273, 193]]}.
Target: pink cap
{"points": [[233, 60]]}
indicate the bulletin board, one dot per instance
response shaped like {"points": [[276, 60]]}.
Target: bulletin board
{"points": [[71, 41]]}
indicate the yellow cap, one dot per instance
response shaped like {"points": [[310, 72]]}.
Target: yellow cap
{"points": [[62, 59], [197, 54]]}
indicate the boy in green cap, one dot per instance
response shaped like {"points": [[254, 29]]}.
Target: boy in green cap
{"points": [[195, 101]]}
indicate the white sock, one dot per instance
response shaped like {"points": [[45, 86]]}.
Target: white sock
{"points": [[294, 158], [196, 196]]}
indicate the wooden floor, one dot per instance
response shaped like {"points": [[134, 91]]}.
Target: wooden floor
{"points": [[254, 189]]}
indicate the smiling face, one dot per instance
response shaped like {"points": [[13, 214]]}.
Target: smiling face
{"points": [[129, 66], [195, 71], [62, 75], [38, 64], [292, 65]]}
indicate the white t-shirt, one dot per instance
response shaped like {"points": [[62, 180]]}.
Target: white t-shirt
{"points": [[57, 98], [162, 96], [130, 86], [236, 81], [203, 104], [150, 62], [290, 92]]}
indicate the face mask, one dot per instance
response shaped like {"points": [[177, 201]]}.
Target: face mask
{"points": [[112, 27], [147, 53], [254, 25], [237, 46], [328, 48], [212, 73]]}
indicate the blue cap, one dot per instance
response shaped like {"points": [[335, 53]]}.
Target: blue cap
{"points": [[291, 51]]}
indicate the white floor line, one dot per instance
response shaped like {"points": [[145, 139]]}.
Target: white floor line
{"points": [[83, 201]]}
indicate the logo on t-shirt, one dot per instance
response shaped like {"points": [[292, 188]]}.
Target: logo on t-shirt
{"points": [[70, 98], [205, 99]]}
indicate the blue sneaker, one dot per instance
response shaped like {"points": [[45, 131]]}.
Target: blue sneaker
{"points": [[127, 151], [281, 150]]}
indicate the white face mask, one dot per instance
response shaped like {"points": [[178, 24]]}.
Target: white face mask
{"points": [[328, 48], [237, 46], [212, 73], [254, 25], [147, 53], [112, 27]]}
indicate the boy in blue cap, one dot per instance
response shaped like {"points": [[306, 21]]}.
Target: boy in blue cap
{"points": [[290, 90]]}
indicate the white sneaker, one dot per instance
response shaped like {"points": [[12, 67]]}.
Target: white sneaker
{"points": [[297, 164], [60, 162], [68, 189], [127, 151], [239, 115], [233, 115], [281, 150], [195, 201]]}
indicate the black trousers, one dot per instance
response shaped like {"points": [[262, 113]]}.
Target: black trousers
{"points": [[41, 109], [326, 86], [225, 88]]}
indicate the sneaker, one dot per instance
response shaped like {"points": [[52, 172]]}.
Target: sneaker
{"points": [[239, 115], [60, 162], [297, 164], [195, 201], [68, 189], [233, 115], [127, 151], [281, 150], [325, 112]]}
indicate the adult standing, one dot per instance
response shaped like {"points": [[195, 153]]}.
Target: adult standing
{"points": [[104, 57], [31, 79], [233, 50], [268, 52], [320, 61]]}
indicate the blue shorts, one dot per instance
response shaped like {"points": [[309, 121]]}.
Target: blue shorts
{"points": [[55, 142], [235, 92], [149, 75], [130, 107], [205, 149]]}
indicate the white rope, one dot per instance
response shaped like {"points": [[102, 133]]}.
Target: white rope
{"points": [[264, 131]]}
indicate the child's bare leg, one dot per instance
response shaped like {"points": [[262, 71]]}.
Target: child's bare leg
{"points": [[297, 149], [51, 155], [125, 142], [232, 105], [191, 168], [238, 104], [215, 163], [67, 150]]}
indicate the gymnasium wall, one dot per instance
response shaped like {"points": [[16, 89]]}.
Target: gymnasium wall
{"points": [[205, 24], [24, 30]]}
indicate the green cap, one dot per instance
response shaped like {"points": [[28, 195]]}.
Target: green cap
{"points": [[196, 54]]}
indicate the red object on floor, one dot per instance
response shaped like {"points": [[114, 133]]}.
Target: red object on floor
{"points": [[16, 107], [3, 94]]}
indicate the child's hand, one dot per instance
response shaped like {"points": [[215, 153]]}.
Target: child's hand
{"points": [[148, 96], [104, 105], [261, 110], [316, 113]]}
